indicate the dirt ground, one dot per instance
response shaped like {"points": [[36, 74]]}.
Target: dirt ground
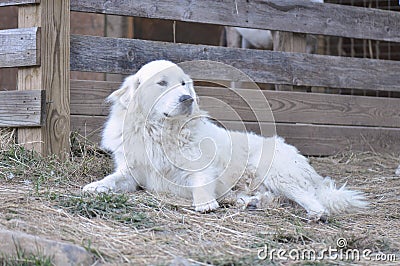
{"points": [[42, 196]]}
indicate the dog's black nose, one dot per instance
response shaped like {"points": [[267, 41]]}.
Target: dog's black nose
{"points": [[186, 98]]}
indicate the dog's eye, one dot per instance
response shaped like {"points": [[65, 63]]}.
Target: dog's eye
{"points": [[183, 83], [162, 83]]}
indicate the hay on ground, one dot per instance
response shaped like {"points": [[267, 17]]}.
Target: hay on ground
{"points": [[42, 196]]}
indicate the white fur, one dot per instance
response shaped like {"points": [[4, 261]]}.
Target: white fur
{"points": [[163, 147]]}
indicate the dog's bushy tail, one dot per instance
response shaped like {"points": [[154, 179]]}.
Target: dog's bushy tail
{"points": [[340, 200]]}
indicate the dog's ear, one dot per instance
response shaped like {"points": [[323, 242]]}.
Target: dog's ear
{"points": [[124, 94]]}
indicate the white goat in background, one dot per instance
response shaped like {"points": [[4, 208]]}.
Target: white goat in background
{"points": [[263, 39]]}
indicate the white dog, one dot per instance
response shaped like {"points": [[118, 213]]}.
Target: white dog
{"points": [[161, 141]]}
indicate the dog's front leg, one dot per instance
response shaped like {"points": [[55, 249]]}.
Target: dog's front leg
{"points": [[120, 181], [203, 191]]}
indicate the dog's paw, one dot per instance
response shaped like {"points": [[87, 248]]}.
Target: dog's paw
{"points": [[205, 207], [249, 202], [318, 217], [97, 187], [253, 204]]}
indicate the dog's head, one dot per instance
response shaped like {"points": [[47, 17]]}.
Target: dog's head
{"points": [[159, 89]]}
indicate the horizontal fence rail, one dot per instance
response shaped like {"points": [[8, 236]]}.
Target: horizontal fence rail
{"points": [[20, 47], [284, 15], [87, 98], [126, 56], [317, 124], [18, 2], [22, 108], [309, 139], [329, 140], [298, 107]]}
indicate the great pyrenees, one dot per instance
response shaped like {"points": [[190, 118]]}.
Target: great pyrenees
{"points": [[161, 141]]}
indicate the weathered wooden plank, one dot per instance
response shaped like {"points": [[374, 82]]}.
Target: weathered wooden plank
{"points": [[87, 98], [288, 42], [53, 17], [22, 108], [309, 139], [329, 140], [117, 55], [87, 24], [88, 126], [299, 107], [30, 78], [20, 47], [284, 15], [18, 2]]}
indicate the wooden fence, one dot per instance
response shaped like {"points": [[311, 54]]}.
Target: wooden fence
{"points": [[317, 123], [40, 48]]}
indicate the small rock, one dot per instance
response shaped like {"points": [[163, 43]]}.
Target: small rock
{"points": [[26, 182], [60, 253], [397, 171], [10, 176]]}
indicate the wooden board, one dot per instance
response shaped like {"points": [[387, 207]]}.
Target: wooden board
{"points": [[20, 47], [88, 126], [18, 2], [329, 140], [87, 24], [309, 139], [285, 15], [117, 55], [52, 75], [299, 107], [87, 98], [288, 42], [22, 108]]}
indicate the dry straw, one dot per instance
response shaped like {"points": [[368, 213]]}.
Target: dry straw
{"points": [[42, 196]]}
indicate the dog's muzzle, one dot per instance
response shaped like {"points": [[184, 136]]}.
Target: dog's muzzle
{"points": [[186, 104], [186, 100]]}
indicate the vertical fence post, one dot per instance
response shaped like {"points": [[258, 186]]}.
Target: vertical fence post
{"points": [[53, 17]]}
